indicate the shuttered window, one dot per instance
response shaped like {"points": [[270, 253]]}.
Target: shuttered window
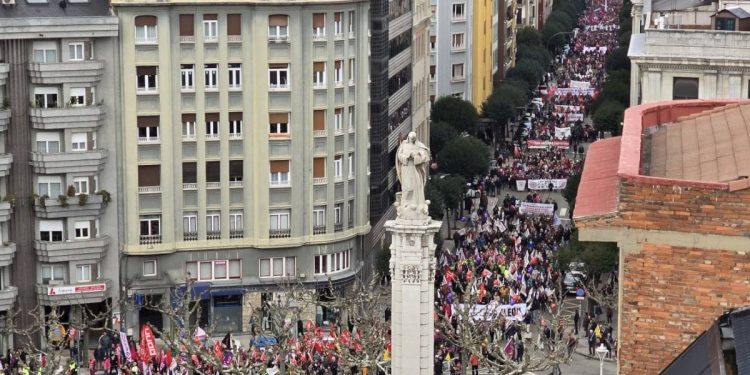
{"points": [[234, 24], [187, 25], [149, 175]]}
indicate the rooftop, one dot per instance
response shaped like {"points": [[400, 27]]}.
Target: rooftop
{"points": [[55, 8]]}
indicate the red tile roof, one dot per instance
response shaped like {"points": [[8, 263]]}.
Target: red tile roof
{"points": [[597, 192]]}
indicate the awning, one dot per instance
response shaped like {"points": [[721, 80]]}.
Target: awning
{"points": [[264, 341], [199, 291], [227, 292]]}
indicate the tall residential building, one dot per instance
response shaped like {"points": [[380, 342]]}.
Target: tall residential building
{"points": [[59, 119], [689, 52], [245, 149], [533, 13], [399, 97], [504, 30], [464, 45]]}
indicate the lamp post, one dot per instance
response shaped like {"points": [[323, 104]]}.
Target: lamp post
{"points": [[601, 351]]}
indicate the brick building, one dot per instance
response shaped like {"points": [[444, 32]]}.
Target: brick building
{"points": [[673, 192]]}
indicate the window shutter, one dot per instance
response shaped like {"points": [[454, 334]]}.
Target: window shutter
{"points": [[87, 51], [234, 24], [319, 120], [212, 117], [278, 66], [92, 229], [210, 17], [235, 116], [148, 121], [149, 175], [145, 70], [319, 66], [189, 173], [319, 20], [145, 21], [279, 166], [278, 20], [338, 16], [188, 117], [337, 64], [90, 146], [319, 167], [89, 96], [187, 25], [278, 118]]}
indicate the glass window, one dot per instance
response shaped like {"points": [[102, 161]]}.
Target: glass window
{"points": [[149, 268], [211, 72], [75, 51], [279, 220], [45, 97], [187, 76], [235, 76], [220, 269], [205, 270], [50, 186], [235, 269], [83, 273], [51, 230], [44, 52], [278, 76], [685, 88], [81, 185], [78, 141], [278, 27], [210, 30], [53, 273]]}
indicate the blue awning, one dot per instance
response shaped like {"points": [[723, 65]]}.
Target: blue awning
{"points": [[227, 292], [199, 291], [263, 341]]}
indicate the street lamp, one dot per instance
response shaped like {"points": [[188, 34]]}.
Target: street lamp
{"points": [[601, 351]]}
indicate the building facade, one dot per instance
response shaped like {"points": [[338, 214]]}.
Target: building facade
{"points": [[399, 98], [687, 59], [245, 149], [504, 43], [672, 191], [60, 116]]}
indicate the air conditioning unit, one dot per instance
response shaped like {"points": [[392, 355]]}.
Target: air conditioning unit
{"points": [[9, 2]]}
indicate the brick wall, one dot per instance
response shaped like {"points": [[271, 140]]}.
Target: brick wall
{"points": [[670, 296]]}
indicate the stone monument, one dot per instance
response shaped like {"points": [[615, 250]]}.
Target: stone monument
{"points": [[412, 264]]}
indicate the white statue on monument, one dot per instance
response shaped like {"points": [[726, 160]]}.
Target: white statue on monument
{"points": [[412, 163]]}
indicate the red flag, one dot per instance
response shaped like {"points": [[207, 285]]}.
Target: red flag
{"points": [[217, 351], [168, 358], [148, 341]]}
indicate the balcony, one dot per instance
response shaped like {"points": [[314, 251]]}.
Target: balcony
{"points": [[93, 292], [87, 71], [5, 161], [279, 233], [338, 227], [190, 236], [92, 249], [4, 119], [55, 209], [213, 185], [8, 298], [151, 239], [69, 162], [187, 38], [213, 235], [236, 184], [319, 229], [4, 69], [320, 133], [5, 211], [149, 189], [189, 186], [236, 234], [67, 118], [320, 180], [7, 252]]}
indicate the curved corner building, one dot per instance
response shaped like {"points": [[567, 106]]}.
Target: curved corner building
{"points": [[245, 149]]}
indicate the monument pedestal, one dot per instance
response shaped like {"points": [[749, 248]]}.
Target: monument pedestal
{"points": [[412, 269]]}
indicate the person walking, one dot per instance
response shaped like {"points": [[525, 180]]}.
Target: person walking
{"points": [[592, 342], [586, 321], [576, 319], [474, 361]]}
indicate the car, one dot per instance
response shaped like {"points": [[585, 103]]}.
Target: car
{"points": [[572, 281]]}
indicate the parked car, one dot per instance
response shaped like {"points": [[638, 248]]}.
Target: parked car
{"points": [[572, 281]]}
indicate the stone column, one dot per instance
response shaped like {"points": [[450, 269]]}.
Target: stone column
{"points": [[412, 295]]}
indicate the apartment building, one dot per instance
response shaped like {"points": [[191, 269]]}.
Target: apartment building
{"points": [[504, 46], [533, 13], [399, 98], [245, 149], [682, 51], [59, 118]]}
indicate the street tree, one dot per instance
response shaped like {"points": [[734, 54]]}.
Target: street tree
{"points": [[501, 105], [465, 156], [459, 113], [451, 190], [608, 117], [435, 196], [440, 133], [528, 37], [528, 71]]}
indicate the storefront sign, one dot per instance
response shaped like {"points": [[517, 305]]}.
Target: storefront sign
{"points": [[545, 144], [537, 208], [557, 184], [74, 289]]}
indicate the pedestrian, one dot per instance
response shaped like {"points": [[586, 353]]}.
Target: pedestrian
{"points": [[610, 312], [576, 318], [586, 321], [474, 361], [592, 342]]}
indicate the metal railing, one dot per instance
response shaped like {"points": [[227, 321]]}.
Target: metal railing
{"points": [[236, 184], [338, 227], [279, 233], [319, 229], [236, 233], [190, 186], [320, 180], [213, 185], [213, 235], [190, 236], [150, 239], [149, 189]]}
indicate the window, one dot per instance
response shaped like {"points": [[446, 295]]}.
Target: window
{"points": [[75, 51], [279, 123], [187, 27], [337, 167], [279, 172], [81, 185], [319, 169], [338, 212], [211, 75], [213, 225], [278, 267], [279, 220], [212, 126], [458, 41], [50, 186], [319, 220], [234, 27], [332, 263], [188, 126], [77, 96], [351, 23], [210, 28], [235, 124], [350, 213], [432, 72], [51, 230], [278, 76], [148, 79], [319, 25], [458, 12], [351, 118], [684, 88], [351, 71], [190, 226], [278, 27], [319, 74], [235, 76], [82, 230], [433, 42], [148, 128], [214, 270], [187, 77], [236, 224], [53, 274], [47, 142], [149, 178], [338, 72], [45, 97], [338, 120], [235, 171], [150, 226], [44, 52], [145, 29], [319, 120], [213, 174], [350, 161], [84, 273], [149, 268], [78, 142], [724, 24], [338, 27], [458, 71], [189, 173]]}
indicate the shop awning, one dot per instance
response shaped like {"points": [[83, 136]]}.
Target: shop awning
{"points": [[264, 341], [227, 292]]}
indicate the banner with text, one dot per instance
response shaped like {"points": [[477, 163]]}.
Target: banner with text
{"points": [[557, 184], [125, 346], [562, 133], [568, 108], [148, 341], [546, 209], [544, 144], [520, 185], [494, 311], [573, 117], [580, 84], [560, 91]]}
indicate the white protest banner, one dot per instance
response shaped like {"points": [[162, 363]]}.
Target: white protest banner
{"points": [[573, 117], [125, 346], [568, 108], [494, 311], [532, 143], [574, 91], [520, 185], [562, 133], [557, 184], [528, 208], [580, 84]]}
